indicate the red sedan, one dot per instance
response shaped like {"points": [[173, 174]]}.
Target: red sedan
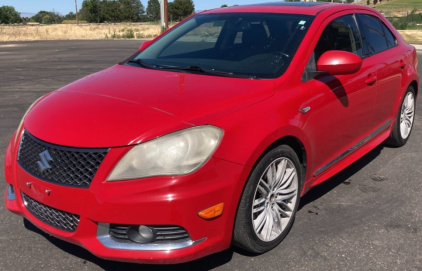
{"points": [[209, 135]]}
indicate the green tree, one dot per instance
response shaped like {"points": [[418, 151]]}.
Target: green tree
{"points": [[110, 11], [25, 19], [180, 9], [47, 17], [131, 10], [70, 16], [8, 15], [153, 9], [224, 6], [90, 11], [170, 12]]}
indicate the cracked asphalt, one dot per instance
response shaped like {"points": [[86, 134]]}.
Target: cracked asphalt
{"points": [[367, 217]]}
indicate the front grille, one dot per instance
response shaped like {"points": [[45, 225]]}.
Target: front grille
{"points": [[162, 234], [58, 219], [68, 166]]}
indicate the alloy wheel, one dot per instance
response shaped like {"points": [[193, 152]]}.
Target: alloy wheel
{"points": [[274, 200], [407, 115]]}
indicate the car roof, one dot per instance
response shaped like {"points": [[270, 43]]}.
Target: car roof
{"points": [[308, 8], [295, 4]]}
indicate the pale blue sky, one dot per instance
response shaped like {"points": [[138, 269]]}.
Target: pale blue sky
{"points": [[66, 6]]}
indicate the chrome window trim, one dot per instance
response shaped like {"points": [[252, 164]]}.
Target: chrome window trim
{"points": [[10, 193], [104, 237]]}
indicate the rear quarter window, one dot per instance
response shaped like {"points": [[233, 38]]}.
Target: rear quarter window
{"points": [[391, 39], [375, 35]]}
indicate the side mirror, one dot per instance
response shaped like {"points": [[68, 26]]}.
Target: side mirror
{"points": [[339, 62], [145, 45]]}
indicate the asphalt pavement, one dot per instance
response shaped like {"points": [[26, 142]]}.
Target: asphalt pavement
{"points": [[368, 217]]}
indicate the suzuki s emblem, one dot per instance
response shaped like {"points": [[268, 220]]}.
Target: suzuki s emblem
{"points": [[45, 158]]}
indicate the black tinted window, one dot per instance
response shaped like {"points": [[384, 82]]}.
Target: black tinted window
{"points": [[341, 34], [374, 39], [391, 40]]}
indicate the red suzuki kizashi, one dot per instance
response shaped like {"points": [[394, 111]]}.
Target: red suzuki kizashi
{"points": [[210, 134]]}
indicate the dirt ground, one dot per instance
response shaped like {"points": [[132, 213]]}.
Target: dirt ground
{"points": [[110, 31], [77, 32], [412, 36]]}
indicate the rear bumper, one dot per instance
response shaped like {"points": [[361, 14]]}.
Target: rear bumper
{"points": [[173, 200]]}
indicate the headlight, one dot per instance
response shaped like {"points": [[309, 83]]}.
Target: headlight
{"points": [[26, 113], [178, 153]]}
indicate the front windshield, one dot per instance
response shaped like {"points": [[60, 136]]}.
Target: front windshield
{"points": [[251, 45]]}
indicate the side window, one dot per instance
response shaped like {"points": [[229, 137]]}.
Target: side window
{"points": [[374, 39], [341, 34], [391, 40]]}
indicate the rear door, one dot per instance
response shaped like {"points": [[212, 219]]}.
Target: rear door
{"points": [[381, 48]]}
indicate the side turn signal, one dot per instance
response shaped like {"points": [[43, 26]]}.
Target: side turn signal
{"points": [[212, 212]]}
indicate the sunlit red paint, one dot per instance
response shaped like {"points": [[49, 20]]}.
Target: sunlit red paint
{"points": [[122, 106]]}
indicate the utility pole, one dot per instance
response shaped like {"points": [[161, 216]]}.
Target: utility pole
{"points": [[164, 14], [76, 7]]}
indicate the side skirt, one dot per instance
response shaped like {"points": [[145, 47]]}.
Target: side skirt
{"points": [[350, 156]]}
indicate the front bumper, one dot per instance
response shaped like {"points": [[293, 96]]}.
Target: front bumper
{"points": [[173, 200]]}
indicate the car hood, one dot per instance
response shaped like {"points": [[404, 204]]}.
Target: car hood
{"points": [[126, 105]]}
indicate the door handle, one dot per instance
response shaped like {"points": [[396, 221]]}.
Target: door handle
{"points": [[372, 79], [402, 64]]}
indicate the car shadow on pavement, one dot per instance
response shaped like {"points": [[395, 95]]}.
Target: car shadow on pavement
{"points": [[214, 260], [341, 177]]}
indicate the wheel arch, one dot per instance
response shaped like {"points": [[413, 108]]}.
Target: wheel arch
{"points": [[298, 147], [415, 86], [293, 142]]}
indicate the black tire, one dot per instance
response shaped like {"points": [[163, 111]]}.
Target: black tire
{"points": [[244, 234], [396, 139]]}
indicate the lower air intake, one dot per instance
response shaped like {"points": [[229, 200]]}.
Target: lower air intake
{"points": [[58, 219], [162, 234]]}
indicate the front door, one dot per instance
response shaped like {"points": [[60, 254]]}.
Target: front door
{"points": [[343, 106]]}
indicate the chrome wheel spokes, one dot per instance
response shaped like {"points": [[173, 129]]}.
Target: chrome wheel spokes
{"points": [[407, 115], [275, 199]]}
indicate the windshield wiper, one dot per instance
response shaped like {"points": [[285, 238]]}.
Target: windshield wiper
{"points": [[142, 63], [195, 68]]}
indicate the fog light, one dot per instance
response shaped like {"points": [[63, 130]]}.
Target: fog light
{"points": [[145, 232], [141, 234]]}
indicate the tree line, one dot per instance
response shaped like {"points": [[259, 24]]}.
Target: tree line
{"points": [[99, 11], [133, 10], [8, 15]]}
